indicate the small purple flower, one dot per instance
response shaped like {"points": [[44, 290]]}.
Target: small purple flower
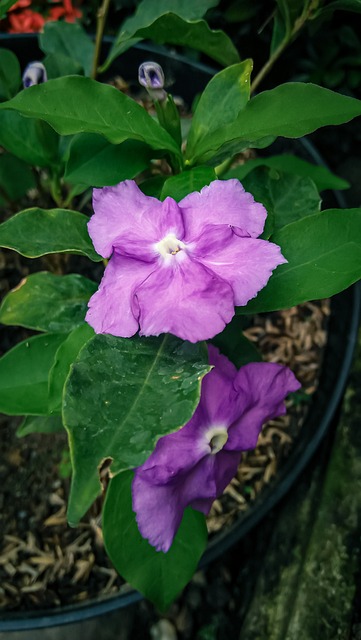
{"points": [[177, 268], [35, 73], [193, 466], [151, 77]]}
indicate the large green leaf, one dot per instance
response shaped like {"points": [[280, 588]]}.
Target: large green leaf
{"points": [[291, 110], [10, 74], [24, 372], [224, 97], [286, 197], [46, 302], [70, 40], [120, 397], [38, 232], [323, 253], [16, 177], [96, 162], [64, 358], [337, 5], [158, 576], [39, 424], [181, 185], [147, 13], [57, 65], [90, 107], [172, 29], [28, 139], [321, 176]]}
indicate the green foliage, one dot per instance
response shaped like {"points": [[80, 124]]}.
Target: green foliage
{"points": [[323, 253], [172, 29], [38, 232], [184, 183], [24, 372], [46, 302], [224, 97], [149, 12], [146, 387], [291, 110], [321, 176], [5, 5], [16, 178], [28, 139], [64, 358], [10, 74], [93, 161], [234, 344], [69, 41], [91, 107], [157, 575], [286, 197]]}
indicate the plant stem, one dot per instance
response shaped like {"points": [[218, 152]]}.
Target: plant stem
{"points": [[282, 46], [101, 20]]}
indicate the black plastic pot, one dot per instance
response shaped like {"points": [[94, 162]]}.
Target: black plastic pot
{"points": [[187, 79]]}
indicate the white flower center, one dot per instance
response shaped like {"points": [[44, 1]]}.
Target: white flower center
{"points": [[169, 246], [217, 438]]}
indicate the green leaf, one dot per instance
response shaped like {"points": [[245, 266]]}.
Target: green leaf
{"points": [[5, 5], [120, 397], [286, 197], [58, 65], [291, 110], [147, 13], [337, 5], [24, 372], [46, 302], [90, 107], [16, 177], [38, 232], [70, 40], [224, 97], [152, 186], [179, 186], [30, 140], [39, 424], [234, 344], [323, 253], [172, 29], [95, 162], [64, 358], [158, 576], [321, 176], [10, 74]]}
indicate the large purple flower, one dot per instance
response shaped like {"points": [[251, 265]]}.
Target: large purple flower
{"points": [[193, 466], [177, 268]]}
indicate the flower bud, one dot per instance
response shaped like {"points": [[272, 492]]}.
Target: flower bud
{"points": [[35, 73], [151, 76]]}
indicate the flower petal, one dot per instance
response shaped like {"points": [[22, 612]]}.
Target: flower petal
{"points": [[186, 299], [245, 263], [260, 389], [223, 202], [113, 309], [131, 221]]}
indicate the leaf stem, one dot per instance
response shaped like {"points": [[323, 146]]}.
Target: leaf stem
{"points": [[101, 20]]}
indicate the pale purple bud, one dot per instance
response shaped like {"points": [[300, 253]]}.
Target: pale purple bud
{"points": [[35, 73], [151, 77]]}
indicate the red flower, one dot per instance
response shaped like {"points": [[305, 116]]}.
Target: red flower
{"points": [[66, 11], [26, 21], [21, 4]]}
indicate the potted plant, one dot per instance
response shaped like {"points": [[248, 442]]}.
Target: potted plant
{"points": [[161, 417]]}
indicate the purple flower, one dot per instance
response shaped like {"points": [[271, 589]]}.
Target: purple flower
{"points": [[151, 76], [177, 268], [35, 73], [193, 466]]}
